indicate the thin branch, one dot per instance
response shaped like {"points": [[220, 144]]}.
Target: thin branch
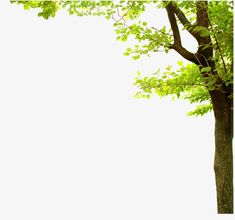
{"points": [[129, 27], [161, 31], [122, 16]]}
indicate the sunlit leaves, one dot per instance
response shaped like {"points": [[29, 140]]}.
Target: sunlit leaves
{"points": [[185, 83], [188, 82], [48, 8], [201, 110], [149, 39], [221, 25]]}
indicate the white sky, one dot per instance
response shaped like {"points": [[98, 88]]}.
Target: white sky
{"points": [[74, 142]]}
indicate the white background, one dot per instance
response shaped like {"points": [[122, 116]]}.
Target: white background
{"points": [[75, 144]]}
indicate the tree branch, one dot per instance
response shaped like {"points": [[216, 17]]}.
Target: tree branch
{"points": [[177, 39], [185, 22], [202, 14], [203, 21]]}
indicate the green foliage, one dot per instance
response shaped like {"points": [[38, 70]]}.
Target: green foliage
{"points": [[188, 82], [221, 27], [221, 19], [48, 8], [201, 110]]}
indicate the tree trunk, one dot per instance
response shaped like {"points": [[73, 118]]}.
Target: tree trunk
{"points": [[223, 162], [222, 103]]}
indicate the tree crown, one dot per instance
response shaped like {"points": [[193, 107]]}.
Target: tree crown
{"points": [[210, 23]]}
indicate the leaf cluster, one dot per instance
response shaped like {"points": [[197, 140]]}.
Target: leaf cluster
{"points": [[186, 83], [189, 82], [48, 8]]}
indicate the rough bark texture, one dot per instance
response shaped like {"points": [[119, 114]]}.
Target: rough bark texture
{"points": [[222, 104], [223, 162]]}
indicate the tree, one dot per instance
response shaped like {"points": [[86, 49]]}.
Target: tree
{"points": [[207, 80]]}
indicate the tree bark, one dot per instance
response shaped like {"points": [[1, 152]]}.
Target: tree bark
{"points": [[222, 103], [223, 161]]}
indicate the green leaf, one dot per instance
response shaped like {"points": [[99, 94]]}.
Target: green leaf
{"points": [[136, 57], [206, 69], [144, 23], [180, 63], [200, 110]]}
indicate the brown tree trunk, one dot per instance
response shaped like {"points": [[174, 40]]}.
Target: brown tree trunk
{"points": [[222, 104], [223, 162]]}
